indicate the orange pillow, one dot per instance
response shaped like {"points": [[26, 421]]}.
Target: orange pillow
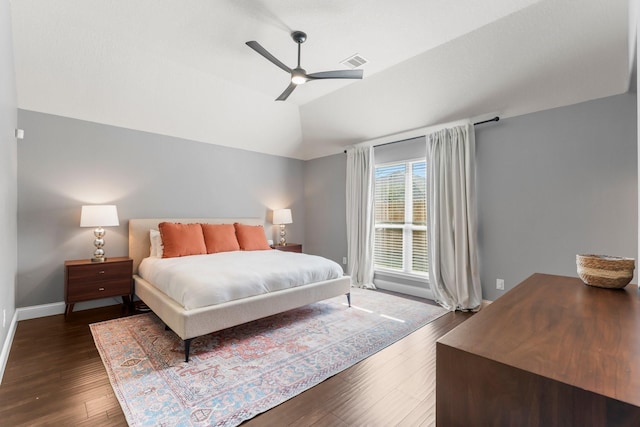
{"points": [[181, 239], [220, 238], [251, 237]]}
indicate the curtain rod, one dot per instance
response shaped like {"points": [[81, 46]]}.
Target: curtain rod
{"points": [[495, 119]]}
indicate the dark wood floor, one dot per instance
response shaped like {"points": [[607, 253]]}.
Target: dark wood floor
{"points": [[54, 376]]}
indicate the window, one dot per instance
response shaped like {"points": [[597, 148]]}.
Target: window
{"points": [[401, 218]]}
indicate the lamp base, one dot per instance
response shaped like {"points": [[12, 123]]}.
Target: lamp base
{"points": [[98, 254], [283, 234]]}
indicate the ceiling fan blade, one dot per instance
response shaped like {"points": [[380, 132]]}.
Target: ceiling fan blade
{"points": [[262, 51], [338, 74], [284, 95]]}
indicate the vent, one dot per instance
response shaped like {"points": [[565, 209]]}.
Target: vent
{"points": [[354, 61]]}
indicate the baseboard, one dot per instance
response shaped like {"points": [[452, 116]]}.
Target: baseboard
{"points": [[44, 310], [404, 289], [36, 311], [413, 290], [6, 346]]}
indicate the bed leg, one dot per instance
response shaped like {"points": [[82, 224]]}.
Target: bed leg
{"points": [[187, 347], [349, 298]]}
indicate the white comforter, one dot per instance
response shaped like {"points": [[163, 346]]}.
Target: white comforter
{"points": [[202, 280]]}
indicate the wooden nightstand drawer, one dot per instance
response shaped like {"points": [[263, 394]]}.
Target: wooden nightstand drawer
{"points": [[85, 280], [99, 272], [289, 247], [89, 291]]}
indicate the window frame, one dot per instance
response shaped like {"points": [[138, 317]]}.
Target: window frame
{"points": [[407, 227]]}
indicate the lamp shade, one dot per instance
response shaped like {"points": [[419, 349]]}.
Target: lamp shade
{"points": [[99, 216], [282, 216]]}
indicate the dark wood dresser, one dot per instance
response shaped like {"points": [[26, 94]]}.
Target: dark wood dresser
{"points": [[550, 352], [85, 280]]}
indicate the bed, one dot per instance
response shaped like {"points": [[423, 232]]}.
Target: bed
{"points": [[191, 323]]}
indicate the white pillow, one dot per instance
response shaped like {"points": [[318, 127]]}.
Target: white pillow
{"points": [[157, 249]]}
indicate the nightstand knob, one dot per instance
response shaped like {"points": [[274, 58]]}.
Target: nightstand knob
{"points": [[101, 289], [101, 272]]}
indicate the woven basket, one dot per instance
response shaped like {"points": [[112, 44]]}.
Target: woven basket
{"points": [[605, 271]]}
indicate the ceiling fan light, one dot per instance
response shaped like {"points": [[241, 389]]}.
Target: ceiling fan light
{"points": [[298, 79], [298, 76]]}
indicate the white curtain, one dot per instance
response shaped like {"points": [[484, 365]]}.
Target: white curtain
{"points": [[360, 170], [451, 204]]}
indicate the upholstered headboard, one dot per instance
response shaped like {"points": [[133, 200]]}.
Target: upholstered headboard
{"points": [[140, 245]]}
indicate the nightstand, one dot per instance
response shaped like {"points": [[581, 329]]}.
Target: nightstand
{"points": [[289, 247], [85, 280]]}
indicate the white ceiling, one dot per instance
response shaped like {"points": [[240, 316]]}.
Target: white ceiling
{"points": [[181, 68]]}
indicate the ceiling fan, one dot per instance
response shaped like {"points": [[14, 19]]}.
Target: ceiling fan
{"points": [[299, 75]]}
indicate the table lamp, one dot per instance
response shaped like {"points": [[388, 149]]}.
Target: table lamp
{"points": [[99, 216], [282, 217]]}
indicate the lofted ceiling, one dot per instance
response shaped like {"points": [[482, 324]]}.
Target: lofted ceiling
{"points": [[181, 68]]}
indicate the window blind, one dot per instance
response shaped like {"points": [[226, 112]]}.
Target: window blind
{"points": [[400, 218], [389, 194]]}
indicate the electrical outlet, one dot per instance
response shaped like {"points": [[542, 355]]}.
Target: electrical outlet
{"points": [[344, 260], [500, 284]]}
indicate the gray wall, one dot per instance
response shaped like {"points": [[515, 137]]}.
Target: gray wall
{"points": [[554, 184], [64, 163], [8, 172], [325, 206], [550, 184]]}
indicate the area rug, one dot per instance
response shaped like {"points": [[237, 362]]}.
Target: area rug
{"points": [[240, 372]]}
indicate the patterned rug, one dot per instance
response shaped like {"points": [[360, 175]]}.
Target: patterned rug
{"points": [[243, 371]]}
